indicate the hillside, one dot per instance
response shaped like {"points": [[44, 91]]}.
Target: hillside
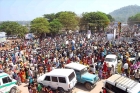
{"points": [[124, 13], [21, 22]]}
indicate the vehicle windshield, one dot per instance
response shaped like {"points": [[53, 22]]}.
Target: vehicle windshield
{"points": [[109, 60], [83, 71]]}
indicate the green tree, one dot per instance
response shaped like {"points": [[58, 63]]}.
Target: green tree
{"points": [[95, 19], [55, 26], [134, 19], [11, 28], [50, 17], [40, 26], [22, 31], [68, 20], [110, 18]]}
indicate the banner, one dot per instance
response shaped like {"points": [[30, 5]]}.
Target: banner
{"points": [[114, 33], [110, 37], [88, 34], [2, 34], [3, 39]]}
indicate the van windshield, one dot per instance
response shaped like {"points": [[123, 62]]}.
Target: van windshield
{"points": [[109, 60], [71, 76]]}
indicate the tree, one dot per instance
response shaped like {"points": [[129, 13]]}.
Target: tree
{"points": [[40, 26], [11, 28], [134, 19], [110, 18], [50, 17], [55, 26], [68, 20], [22, 31], [95, 19]]}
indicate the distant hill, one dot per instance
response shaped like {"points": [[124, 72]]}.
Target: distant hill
{"points": [[124, 13], [21, 22]]}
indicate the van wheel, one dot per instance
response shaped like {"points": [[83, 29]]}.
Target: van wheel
{"points": [[88, 86], [13, 90], [61, 90]]}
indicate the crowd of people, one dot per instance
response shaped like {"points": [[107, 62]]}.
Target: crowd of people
{"points": [[25, 60]]}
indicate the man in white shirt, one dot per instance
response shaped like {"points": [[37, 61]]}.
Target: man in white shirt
{"points": [[125, 67]]}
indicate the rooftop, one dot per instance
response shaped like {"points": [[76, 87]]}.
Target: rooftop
{"points": [[3, 75], [122, 81], [75, 66], [60, 72], [111, 56]]}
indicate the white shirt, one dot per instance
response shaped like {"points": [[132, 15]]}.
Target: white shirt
{"points": [[93, 69], [137, 75], [67, 42], [125, 66], [54, 60]]}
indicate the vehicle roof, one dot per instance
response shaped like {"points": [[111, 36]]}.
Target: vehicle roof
{"points": [[123, 82], [3, 75], [111, 56], [75, 66], [60, 72]]}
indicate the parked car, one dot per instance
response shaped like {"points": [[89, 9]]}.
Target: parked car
{"points": [[121, 84], [7, 84], [83, 76], [111, 59], [61, 79]]}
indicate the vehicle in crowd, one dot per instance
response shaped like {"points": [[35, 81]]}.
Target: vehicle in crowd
{"points": [[121, 84], [7, 84], [12, 37], [83, 76], [62, 79], [111, 59]]}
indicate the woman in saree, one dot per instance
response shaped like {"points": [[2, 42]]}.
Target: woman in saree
{"points": [[119, 67], [23, 76]]}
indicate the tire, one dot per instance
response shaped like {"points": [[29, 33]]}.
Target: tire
{"points": [[61, 90], [88, 86], [13, 90]]}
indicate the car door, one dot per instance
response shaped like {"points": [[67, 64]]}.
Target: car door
{"points": [[78, 76], [54, 83], [63, 83], [47, 81]]}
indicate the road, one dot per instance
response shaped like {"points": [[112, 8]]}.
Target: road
{"points": [[79, 88]]}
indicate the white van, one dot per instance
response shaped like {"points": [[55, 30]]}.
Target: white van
{"points": [[61, 79], [111, 59], [121, 84], [7, 84]]}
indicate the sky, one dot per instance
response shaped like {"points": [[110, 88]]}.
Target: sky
{"points": [[27, 10]]}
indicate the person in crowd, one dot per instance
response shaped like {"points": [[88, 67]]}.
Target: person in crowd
{"points": [[137, 76], [125, 67], [104, 90]]}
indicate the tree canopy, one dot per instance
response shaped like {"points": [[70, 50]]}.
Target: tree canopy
{"points": [[40, 26], [95, 19], [110, 18], [68, 20], [55, 26], [50, 17], [134, 19], [13, 28]]}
